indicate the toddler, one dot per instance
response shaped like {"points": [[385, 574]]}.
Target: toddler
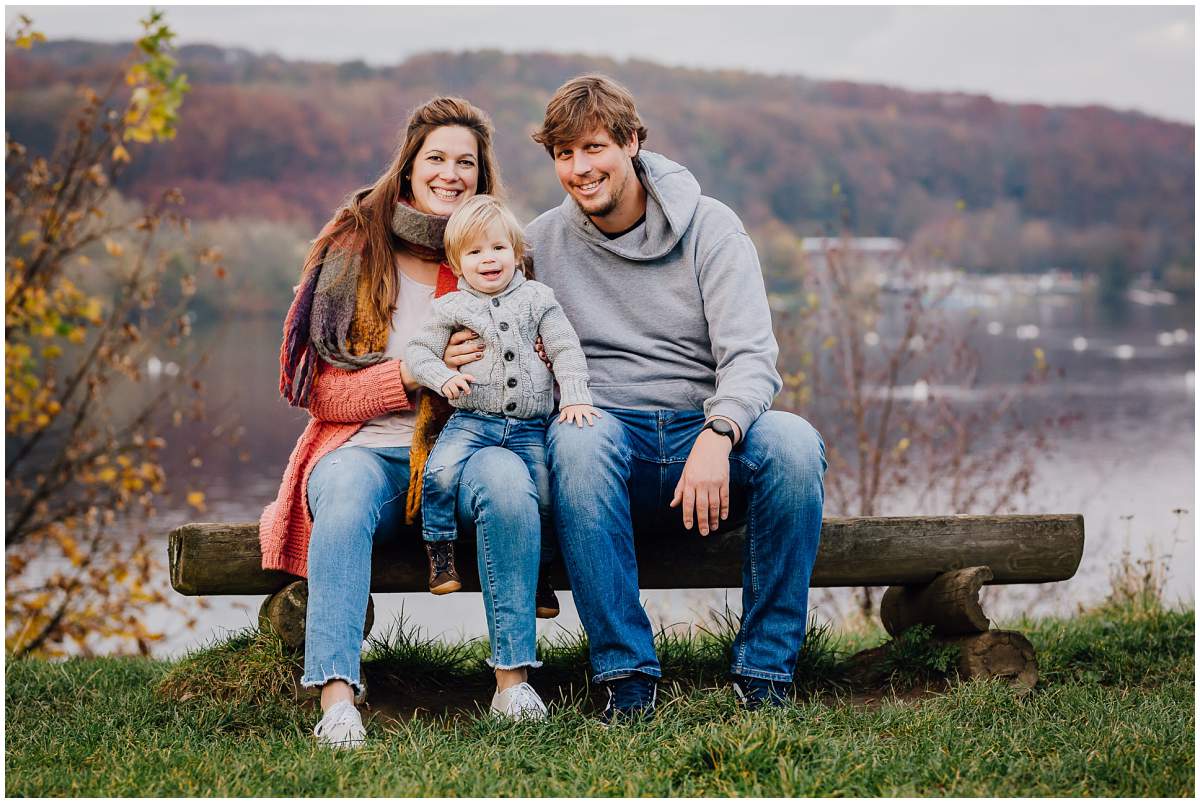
{"points": [[504, 398]]}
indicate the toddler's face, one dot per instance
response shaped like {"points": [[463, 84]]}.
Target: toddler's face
{"points": [[488, 260]]}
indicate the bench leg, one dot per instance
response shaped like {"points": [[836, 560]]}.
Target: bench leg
{"points": [[950, 605], [286, 609], [1003, 654]]}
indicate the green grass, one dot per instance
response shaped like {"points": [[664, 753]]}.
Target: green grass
{"points": [[1113, 715]]}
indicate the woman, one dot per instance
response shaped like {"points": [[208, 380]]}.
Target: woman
{"points": [[368, 283]]}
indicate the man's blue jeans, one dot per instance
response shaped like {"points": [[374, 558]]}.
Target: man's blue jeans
{"points": [[620, 475], [357, 497]]}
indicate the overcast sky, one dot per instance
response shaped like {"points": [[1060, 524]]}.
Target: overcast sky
{"points": [[1125, 57]]}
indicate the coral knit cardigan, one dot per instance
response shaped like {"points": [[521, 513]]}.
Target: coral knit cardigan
{"points": [[341, 402]]}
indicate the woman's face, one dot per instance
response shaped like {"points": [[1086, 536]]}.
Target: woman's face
{"points": [[446, 170]]}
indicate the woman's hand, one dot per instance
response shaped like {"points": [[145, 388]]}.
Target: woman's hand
{"points": [[458, 386], [407, 379], [464, 347], [577, 413]]}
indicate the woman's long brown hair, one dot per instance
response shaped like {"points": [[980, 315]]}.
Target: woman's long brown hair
{"points": [[363, 223]]}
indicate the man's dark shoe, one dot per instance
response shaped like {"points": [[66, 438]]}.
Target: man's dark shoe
{"points": [[545, 600], [754, 693], [629, 699], [443, 577]]}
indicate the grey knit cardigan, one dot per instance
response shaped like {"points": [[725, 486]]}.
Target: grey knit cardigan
{"points": [[510, 379]]}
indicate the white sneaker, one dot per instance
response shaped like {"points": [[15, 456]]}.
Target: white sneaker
{"points": [[517, 702], [341, 728]]}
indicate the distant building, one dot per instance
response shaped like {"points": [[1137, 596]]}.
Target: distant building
{"points": [[879, 247]]}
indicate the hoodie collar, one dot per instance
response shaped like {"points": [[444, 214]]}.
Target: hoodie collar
{"points": [[518, 279], [672, 194]]}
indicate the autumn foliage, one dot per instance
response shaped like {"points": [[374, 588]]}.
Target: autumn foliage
{"points": [[82, 424], [1040, 186]]}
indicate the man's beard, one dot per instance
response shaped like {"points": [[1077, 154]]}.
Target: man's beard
{"points": [[608, 207]]}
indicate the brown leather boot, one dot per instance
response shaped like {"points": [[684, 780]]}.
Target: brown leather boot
{"points": [[443, 577], [545, 600]]}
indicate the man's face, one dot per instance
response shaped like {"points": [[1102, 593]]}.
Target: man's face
{"points": [[597, 172]]}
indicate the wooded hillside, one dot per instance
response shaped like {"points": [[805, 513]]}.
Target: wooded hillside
{"points": [[1081, 188]]}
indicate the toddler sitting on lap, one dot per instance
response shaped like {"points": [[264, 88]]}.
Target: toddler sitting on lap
{"points": [[507, 396]]}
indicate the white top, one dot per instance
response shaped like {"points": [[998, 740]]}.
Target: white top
{"points": [[414, 303]]}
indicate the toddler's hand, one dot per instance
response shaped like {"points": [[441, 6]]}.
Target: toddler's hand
{"points": [[577, 413], [458, 386]]}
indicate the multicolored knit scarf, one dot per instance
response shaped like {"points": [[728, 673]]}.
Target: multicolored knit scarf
{"points": [[326, 311]]}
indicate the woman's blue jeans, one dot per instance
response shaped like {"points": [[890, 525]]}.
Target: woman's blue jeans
{"points": [[357, 497], [620, 475]]}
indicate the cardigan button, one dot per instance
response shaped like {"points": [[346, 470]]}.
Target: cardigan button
{"points": [[503, 326], [510, 406], [495, 302], [508, 355], [512, 381]]}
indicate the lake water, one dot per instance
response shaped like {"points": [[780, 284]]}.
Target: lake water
{"points": [[1128, 467]]}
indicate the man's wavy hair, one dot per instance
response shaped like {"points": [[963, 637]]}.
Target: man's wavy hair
{"points": [[584, 104]]}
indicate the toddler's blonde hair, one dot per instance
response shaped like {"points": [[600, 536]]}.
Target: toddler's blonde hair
{"points": [[472, 218]]}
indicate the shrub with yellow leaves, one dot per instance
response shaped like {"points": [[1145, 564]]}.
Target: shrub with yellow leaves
{"points": [[82, 473]]}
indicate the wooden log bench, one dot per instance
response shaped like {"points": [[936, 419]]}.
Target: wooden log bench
{"points": [[934, 568]]}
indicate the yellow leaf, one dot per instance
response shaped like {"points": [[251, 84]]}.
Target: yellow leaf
{"points": [[113, 248], [94, 310], [107, 474], [196, 500], [27, 237], [119, 154]]}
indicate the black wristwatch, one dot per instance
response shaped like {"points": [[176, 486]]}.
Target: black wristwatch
{"points": [[722, 427]]}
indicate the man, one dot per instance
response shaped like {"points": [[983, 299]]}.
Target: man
{"points": [[664, 288]]}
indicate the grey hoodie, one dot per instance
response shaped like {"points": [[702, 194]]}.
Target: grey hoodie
{"points": [[672, 315]]}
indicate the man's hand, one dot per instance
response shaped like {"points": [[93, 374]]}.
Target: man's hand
{"points": [[576, 413], [704, 487], [541, 352], [458, 386], [464, 347]]}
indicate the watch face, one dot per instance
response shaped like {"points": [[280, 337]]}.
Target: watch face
{"points": [[720, 426]]}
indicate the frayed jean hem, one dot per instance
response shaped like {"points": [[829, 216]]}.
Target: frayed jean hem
{"points": [[518, 665], [617, 674], [310, 683], [758, 674], [432, 536]]}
